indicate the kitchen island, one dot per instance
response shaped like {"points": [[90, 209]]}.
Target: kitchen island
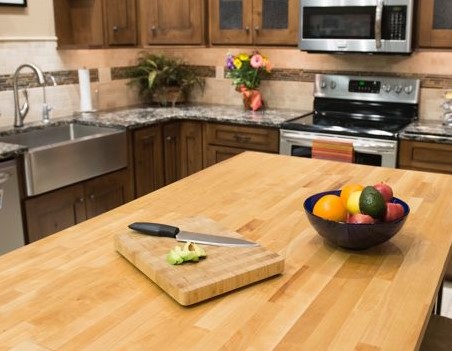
{"points": [[73, 291]]}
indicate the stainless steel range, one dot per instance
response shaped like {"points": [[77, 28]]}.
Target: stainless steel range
{"points": [[368, 112]]}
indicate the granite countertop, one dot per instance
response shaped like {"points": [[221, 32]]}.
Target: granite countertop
{"points": [[10, 150], [428, 131], [136, 117]]}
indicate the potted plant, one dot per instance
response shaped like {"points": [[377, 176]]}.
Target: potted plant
{"points": [[163, 79]]}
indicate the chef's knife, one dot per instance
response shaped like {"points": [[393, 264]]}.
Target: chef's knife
{"points": [[164, 230]]}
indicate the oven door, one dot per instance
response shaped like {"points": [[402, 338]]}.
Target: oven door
{"points": [[368, 151], [369, 26]]}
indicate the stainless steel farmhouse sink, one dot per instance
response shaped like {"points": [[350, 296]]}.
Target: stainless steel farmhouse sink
{"points": [[59, 155]]}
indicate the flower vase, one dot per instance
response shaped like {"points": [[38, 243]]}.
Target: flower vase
{"points": [[252, 99]]}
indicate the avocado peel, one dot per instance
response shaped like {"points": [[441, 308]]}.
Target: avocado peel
{"points": [[190, 252]]}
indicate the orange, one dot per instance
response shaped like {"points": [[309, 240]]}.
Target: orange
{"points": [[348, 189], [330, 207]]}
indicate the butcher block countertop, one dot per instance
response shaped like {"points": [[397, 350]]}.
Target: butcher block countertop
{"points": [[74, 291]]}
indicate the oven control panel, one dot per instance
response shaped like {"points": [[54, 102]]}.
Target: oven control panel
{"points": [[370, 88], [364, 86]]}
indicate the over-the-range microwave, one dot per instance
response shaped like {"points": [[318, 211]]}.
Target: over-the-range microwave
{"points": [[363, 26]]}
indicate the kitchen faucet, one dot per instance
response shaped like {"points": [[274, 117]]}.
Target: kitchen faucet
{"points": [[45, 107], [21, 111]]}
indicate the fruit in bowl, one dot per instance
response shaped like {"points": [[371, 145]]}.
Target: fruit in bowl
{"points": [[359, 218]]}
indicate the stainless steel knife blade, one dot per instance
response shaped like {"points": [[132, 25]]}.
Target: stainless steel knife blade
{"points": [[164, 230]]}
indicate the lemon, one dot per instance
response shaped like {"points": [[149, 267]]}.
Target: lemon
{"points": [[353, 202], [347, 189]]}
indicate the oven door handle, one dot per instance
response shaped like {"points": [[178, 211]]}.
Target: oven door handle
{"points": [[359, 145], [378, 16], [375, 149], [297, 139]]}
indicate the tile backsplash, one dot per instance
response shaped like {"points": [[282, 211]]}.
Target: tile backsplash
{"points": [[289, 86]]}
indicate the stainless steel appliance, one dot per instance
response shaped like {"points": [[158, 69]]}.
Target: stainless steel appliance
{"points": [[11, 233], [367, 26], [368, 112]]}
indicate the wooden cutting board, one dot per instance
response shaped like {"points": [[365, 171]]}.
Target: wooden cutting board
{"points": [[224, 269]]}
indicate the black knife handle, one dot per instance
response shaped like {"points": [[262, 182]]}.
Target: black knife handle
{"points": [[155, 229]]}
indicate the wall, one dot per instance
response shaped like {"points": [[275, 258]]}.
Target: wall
{"points": [[33, 22], [27, 35]]}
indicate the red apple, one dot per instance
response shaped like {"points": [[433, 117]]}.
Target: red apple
{"points": [[359, 218], [393, 212], [385, 190]]}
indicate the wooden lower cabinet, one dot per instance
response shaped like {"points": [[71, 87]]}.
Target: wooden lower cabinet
{"points": [[105, 193], [166, 153], [171, 152], [425, 156], [191, 148], [54, 211], [148, 160], [216, 154], [59, 209], [222, 141]]}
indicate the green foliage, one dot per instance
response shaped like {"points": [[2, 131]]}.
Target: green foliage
{"points": [[158, 71]]}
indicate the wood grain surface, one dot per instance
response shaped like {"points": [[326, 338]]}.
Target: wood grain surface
{"points": [[74, 291], [224, 269]]}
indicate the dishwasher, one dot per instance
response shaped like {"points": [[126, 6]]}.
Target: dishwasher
{"points": [[11, 227]]}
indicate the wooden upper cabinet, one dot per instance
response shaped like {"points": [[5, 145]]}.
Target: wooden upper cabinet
{"points": [[78, 24], [231, 21], [258, 22], [172, 22], [120, 22], [435, 23], [95, 23]]}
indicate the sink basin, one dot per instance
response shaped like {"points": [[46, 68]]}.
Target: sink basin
{"points": [[60, 155]]}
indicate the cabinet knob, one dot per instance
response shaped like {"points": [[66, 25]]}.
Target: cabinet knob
{"points": [[92, 197], [247, 29], [153, 28], [81, 200], [256, 28], [115, 28], [168, 138]]}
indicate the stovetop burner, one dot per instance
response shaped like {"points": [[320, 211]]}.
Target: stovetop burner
{"points": [[365, 128], [343, 105]]}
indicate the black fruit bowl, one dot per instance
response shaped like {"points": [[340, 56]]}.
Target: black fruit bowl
{"points": [[350, 235]]}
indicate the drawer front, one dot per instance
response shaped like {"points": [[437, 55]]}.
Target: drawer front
{"points": [[426, 156], [249, 138]]}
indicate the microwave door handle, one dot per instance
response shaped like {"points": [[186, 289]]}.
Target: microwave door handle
{"points": [[378, 16]]}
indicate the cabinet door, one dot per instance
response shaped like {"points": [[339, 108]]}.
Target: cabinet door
{"points": [[215, 154], [191, 148], [231, 21], [435, 23], [78, 23], [275, 22], [104, 193], [173, 22], [49, 213], [148, 160], [171, 152], [120, 22]]}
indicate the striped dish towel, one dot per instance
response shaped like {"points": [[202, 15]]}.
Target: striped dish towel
{"points": [[326, 149]]}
